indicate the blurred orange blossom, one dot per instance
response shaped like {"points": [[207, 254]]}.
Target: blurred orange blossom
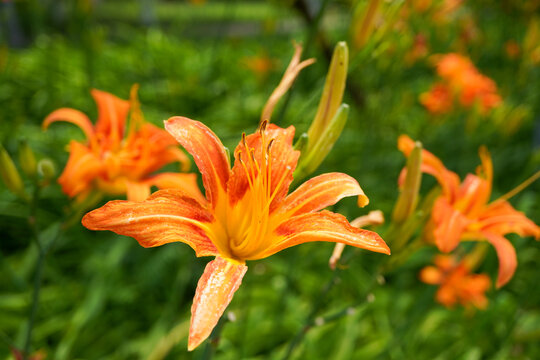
{"points": [[462, 211], [118, 157], [462, 80], [457, 284]]}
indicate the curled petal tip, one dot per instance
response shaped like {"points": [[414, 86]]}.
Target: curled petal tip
{"points": [[362, 200]]}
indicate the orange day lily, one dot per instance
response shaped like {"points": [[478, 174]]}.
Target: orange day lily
{"points": [[462, 79], [118, 157], [462, 211], [456, 283], [247, 214]]}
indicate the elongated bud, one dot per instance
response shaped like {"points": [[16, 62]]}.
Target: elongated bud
{"points": [[408, 196], [27, 159], [301, 143], [363, 31], [314, 157], [332, 95], [46, 169], [10, 174]]}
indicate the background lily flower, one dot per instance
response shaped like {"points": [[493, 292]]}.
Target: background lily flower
{"points": [[463, 211], [246, 215], [456, 283], [462, 80], [119, 158]]}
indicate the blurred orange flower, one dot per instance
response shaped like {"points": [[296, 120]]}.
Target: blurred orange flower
{"points": [[460, 79], [462, 211], [246, 215], [438, 100], [119, 158], [260, 65], [457, 284]]}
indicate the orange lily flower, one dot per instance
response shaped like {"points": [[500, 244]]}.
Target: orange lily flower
{"points": [[462, 211], [117, 159], [456, 282], [462, 79], [246, 215]]}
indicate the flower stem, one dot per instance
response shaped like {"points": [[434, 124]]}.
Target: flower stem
{"points": [[32, 220], [213, 341], [310, 320], [35, 301]]}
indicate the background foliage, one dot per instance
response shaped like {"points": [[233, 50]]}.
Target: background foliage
{"points": [[106, 297]]}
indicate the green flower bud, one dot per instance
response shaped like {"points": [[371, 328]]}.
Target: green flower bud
{"points": [[10, 174], [46, 169], [27, 160]]}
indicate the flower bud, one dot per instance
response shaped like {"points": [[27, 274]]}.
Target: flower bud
{"points": [[10, 174], [46, 169], [332, 95], [408, 196], [27, 160], [311, 160]]}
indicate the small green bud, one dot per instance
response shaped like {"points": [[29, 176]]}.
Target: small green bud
{"points": [[46, 169], [27, 160]]}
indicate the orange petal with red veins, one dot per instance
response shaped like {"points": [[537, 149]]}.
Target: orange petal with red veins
{"points": [[282, 162], [183, 181], [449, 225], [81, 169], [324, 226], [320, 192], [137, 191], [207, 151], [215, 290], [507, 257], [112, 115], [73, 116], [166, 216]]}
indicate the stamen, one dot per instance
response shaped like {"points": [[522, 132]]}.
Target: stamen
{"points": [[520, 187], [246, 170], [262, 126]]}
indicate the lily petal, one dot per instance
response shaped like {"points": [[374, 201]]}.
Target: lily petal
{"points": [[320, 192], [137, 191], [324, 226], [166, 216], [82, 167], [501, 218], [207, 151], [450, 225], [215, 290], [507, 257], [73, 116], [183, 181], [113, 113], [473, 195]]}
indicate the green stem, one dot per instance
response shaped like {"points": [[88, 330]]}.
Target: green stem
{"points": [[213, 341], [308, 323], [35, 301], [32, 220]]}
